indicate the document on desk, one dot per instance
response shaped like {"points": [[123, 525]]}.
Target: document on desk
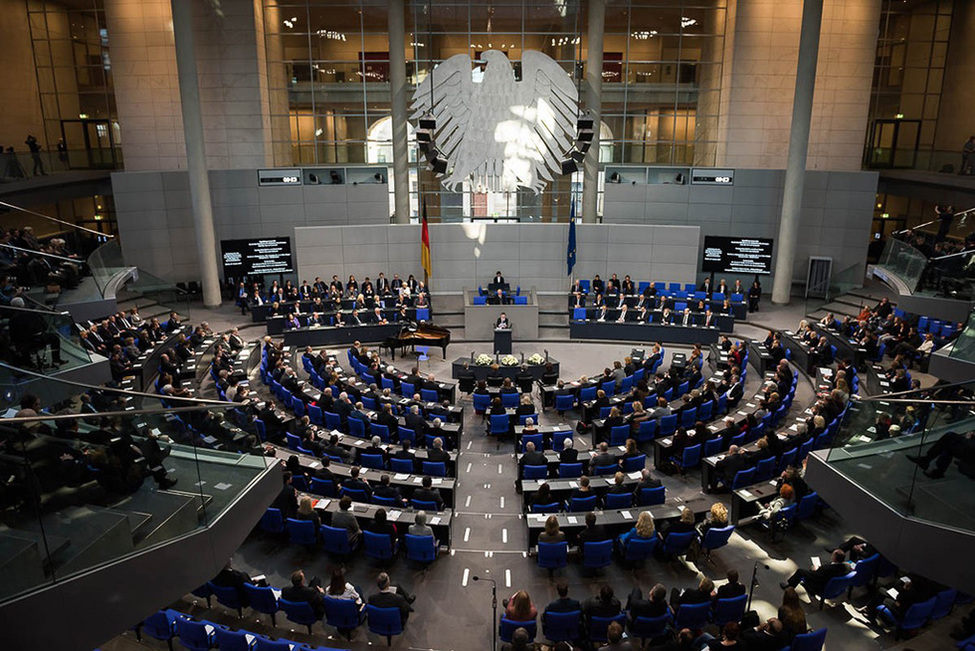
{"points": [[745, 493], [627, 515], [816, 562], [574, 484], [634, 475], [401, 476], [435, 480], [573, 519], [321, 504], [435, 520], [394, 514]]}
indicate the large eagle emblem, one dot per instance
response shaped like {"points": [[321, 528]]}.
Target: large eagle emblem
{"points": [[498, 132]]}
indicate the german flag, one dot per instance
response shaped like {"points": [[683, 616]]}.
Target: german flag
{"points": [[425, 247]]}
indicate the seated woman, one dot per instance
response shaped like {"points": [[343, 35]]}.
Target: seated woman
{"points": [[526, 406], [519, 607], [552, 533], [638, 415], [306, 512], [684, 525], [786, 498], [544, 497], [643, 529], [631, 450], [717, 518], [339, 588]]}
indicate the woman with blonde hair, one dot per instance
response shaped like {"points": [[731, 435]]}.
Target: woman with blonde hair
{"points": [[644, 529], [520, 607], [552, 533]]}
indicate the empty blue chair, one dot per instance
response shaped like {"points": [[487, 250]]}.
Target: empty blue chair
{"points": [[429, 395], [386, 501], [690, 458], [564, 403], [552, 507], [379, 545], [635, 464], [422, 549], [510, 400], [651, 628], [599, 626], [583, 503], [535, 472], [651, 496], [374, 461], [609, 387], [806, 507], [161, 625], [764, 470], [406, 434], [301, 532], [596, 555], [228, 640], [343, 614], [262, 600], [299, 612], [743, 478], [605, 470], [262, 643], [508, 626], [712, 447], [272, 521], [587, 394], [562, 627], [203, 592], [435, 468], [668, 424], [944, 604], [692, 616], [402, 466], [553, 556], [688, 416], [570, 470], [618, 501], [407, 389], [384, 621], [638, 550], [194, 635], [316, 415], [619, 434], [227, 597], [705, 411], [336, 541], [716, 537], [812, 641], [481, 402], [325, 487], [835, 587], [730, 610], [423, 314], [355, 494], [864, 571], [647, 431], [500, 425], [424, 505], [382, 431], [332, 421], [578, 314], [677, 544]]}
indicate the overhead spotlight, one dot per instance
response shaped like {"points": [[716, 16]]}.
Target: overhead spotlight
{"points": [[427, 122], [577, 156], [584, 146], [438, 165], [585, 136], [336, 177], [585, 122], [424, 135], [569, 166]]}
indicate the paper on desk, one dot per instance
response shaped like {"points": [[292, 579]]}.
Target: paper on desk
{"points": [[574, 484], [394, 514], [322, 503], [315, 464], [627, 515], [745, 493], [634, 475], [573, 519], [401, 476], [668, 441], [435, 520], [750, 405], [436, 480]]}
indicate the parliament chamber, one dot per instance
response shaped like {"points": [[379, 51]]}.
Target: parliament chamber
{"points": [[626, 325]]}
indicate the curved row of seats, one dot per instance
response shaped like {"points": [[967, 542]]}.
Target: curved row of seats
{"points": [[335, 541]]}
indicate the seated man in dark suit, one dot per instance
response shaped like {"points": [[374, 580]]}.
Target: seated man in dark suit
{"points": [[564, 604], [392, 597], [231, 578], [387, 490], [532, 457], [498, 298], [592, 532], [815, 580], [287, 499], [386, 417], [699, 595], [311, 594], [654, 605], [357, 484], [428, 494], [415, 421], [733, 588], [437, 453], [726, 469], [770, 636]]}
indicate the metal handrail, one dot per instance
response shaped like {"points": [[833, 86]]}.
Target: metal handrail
{"points": [[54, 219]]}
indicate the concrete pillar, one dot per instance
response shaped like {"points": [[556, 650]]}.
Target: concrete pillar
{"points": [[594, 99], [795, 171], [196, 157], [397, 90]]}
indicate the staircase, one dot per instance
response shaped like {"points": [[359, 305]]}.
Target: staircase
{"points": [[850, 303]]}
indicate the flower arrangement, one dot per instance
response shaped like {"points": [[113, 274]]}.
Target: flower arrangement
{"points": [[536, 360], [483, 360], [509, 360]]}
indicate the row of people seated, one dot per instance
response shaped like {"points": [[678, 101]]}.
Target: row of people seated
{"points": [[626, 287], [679, 623], [425, 496], [354, 317], [603, 460], [334, 290], [619, 495], [401, 458], [700, 315], [38, 262]]}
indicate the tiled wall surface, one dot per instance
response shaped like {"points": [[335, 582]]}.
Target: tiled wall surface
{"points": [[467, 255], [156, 222], [836, 215]]}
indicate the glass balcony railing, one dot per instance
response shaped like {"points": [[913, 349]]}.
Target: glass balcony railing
{"points": [[106, 261], [40, 340], [80, 490], [904, 261], [947, 276], [878, 443], [964, 346]]}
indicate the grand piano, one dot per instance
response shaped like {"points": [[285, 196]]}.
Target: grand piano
{"points": [[422, 334]]}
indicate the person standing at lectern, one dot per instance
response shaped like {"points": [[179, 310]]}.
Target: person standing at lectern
{"points": [[503, 323], [498, 279]]}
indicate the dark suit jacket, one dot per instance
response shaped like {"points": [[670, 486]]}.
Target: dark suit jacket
{"points": [[308, 594], [391, 600], [816, 580], [731, 590], [566, 605]]}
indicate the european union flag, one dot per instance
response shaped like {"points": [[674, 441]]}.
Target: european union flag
{"points": [[570, 252]]}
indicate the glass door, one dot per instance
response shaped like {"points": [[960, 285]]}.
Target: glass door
{"points": [[90, 144], [893, 144]]}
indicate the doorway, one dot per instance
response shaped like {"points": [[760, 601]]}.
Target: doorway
{"points": [[90, 143], [893, 144]]}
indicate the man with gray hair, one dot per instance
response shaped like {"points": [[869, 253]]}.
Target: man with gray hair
{"points": [[437, 453], [343, 407], [420, 527], [414, 421], [390, 596]]}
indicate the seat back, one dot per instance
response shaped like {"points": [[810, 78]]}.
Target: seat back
{"points": [[650, 628], [812, 641], [605, 470], [272, 521], [562, 627], [764, 469], [374, 461], [507, 628], [262, 643], [807, 505], [301, 532], [712, 447], [382, 431], [944, 603], [422, 549], [537, 439], [227, 640], [535, 472], [262, 599], [583, 503], [564, 402], [407, 389], [428, 506], [570, 470], [588, 393], [864, 571], [357, 427], [598, 626], [635, 464], [688, 416], [647, 431], [691, 456], [597, 554], [357, 494], [559, 439], [692, 616], [837, 585], [651, 496], [619, 434], [499, 424], [553, 555], [299, 612], [716, 537], [730, 610], [403, 466], [341, 613], [677, 544], [384, 621], [333, 421], [743, 478], [668, 425], [618, 501], [325, 487], [510, 400], [705, 411], [552, 507], [435, 468], [639, 549], [609, 387], [429, 395], [378, 545], [193, 635], [481, 402]]}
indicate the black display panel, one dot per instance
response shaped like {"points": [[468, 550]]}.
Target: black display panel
{"points": [[744, 255], [271, 255]]}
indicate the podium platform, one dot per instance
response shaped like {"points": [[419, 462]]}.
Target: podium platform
{"points": [[479, 320], [502, 341]]}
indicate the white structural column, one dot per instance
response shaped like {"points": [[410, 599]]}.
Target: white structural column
{"points": [[196, 157], [397, 90], [795, 171], [594, 101]]}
